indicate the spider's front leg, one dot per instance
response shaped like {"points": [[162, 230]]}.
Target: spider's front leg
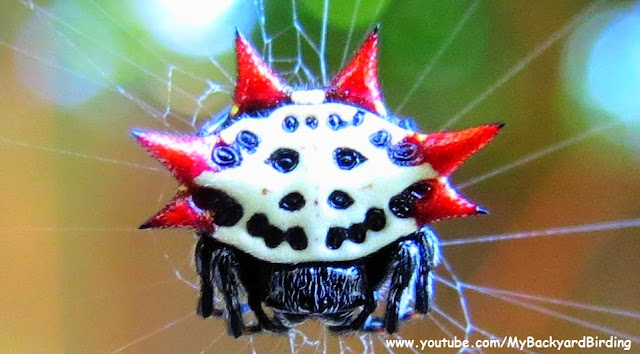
{"points": [[412, 262], [225, 270], [203, 257]]}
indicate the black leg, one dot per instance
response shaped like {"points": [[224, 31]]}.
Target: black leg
{"points": [[263, 320], [204, 251], [403, 266], [428, 241], [225, 268]]}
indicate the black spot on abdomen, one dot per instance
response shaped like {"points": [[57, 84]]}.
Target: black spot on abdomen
{"points": [[347, 159], [259, 226], [375, 220], [226, 156], [226, 210], [402, 205], [284, 160], [405, 154], [339, 200], [292, 202]]}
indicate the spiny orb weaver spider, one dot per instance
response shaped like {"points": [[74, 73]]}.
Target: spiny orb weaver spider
{"points": [[308, 200]]}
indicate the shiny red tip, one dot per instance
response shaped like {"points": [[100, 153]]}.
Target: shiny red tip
{"points": [[257, 87], [358, 83]]}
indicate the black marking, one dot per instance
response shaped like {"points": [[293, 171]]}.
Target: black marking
{"points": [[339, 200], [248, 140], [290, 124], [273, 237], [402, 205], [297, 238], [358, 232], [358, 118], [226, 156], [381, 138], [292, 202], [312, 122], [226, 210], [284, 160], [348, 158], [335, 237], [405, 154], [375, 220], [259, 226]]}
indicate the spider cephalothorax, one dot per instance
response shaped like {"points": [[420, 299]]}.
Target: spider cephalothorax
{"points": [[323, 186]]}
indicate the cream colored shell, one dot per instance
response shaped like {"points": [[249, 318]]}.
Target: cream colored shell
{"points": [[258, 187]]}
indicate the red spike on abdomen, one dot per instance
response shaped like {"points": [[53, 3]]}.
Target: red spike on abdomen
{"points": [[357, 83], [446, 151], [443, 202], [181, 212], [257, 86]]}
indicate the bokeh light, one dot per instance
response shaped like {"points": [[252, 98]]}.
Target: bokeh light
{"points": [[602, 63], [613, 72], [196, 27], [58, 70]]}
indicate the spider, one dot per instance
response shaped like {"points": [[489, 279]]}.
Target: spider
{"points": [[308, 200]]}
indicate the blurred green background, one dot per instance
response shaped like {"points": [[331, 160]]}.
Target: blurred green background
{"points": [[77, 76]]}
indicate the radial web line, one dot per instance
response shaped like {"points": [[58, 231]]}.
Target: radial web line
{"points": [[120, 56], [550, 300], [116, 88], [105, 76], [443, 48], [139, 340], [215, 340], [611, 225], [67, 229], [323, 43], [547, 311], [302, 35], [524, 62], [440, 325], [347, 42], [539, 154], [461, 298], [77, 154]]}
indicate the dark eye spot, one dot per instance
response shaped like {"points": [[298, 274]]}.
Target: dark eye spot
{"points": [[290, 124], [297, 238], [375, 219], [347, 158], [226, 156], [292, 202], [358, 118], [380, 138], [247, 140], [335, 237], [226, 210], [405, 154], [335, 122], [339, 200], [284, 160], [312, 122]]}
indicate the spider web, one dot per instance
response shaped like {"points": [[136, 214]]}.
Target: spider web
{"points": [[82, 278]]}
